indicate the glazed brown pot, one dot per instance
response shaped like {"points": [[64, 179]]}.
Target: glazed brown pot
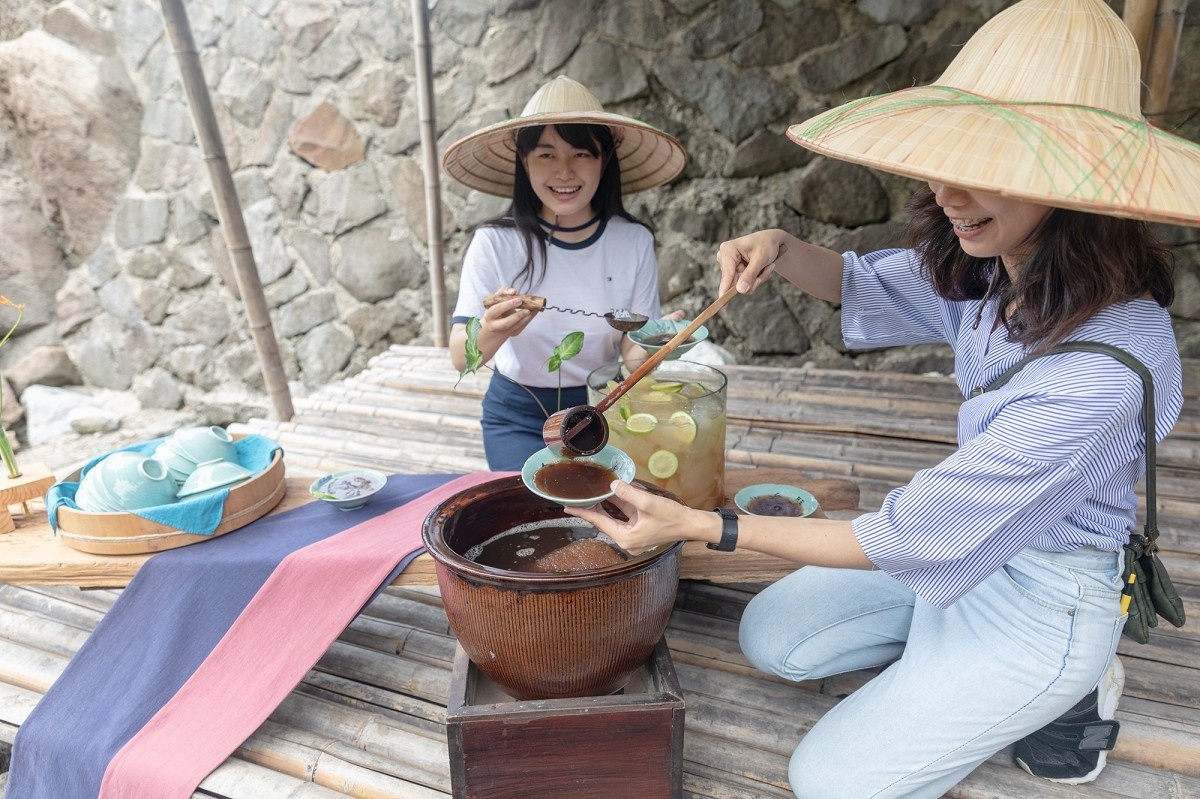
{"points": [[545, 636]]}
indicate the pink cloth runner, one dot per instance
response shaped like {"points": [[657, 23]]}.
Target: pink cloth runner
{"points": [[305, 604]]}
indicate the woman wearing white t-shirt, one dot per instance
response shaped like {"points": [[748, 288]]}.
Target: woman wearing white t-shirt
{"points": [[567, 237]]}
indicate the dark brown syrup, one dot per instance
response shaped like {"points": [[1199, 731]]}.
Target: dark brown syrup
{"points": [[574, 479], [534, 550], [660, 339], [774, 505]]}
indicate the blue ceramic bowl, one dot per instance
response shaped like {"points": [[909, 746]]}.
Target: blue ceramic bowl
{"points": [[773, 499], [213, 476], [126, 481], [349, 489], [200, 444], [652, 335], [610, 458]]}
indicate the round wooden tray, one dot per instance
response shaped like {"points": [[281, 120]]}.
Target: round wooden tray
{"points": [[128, 533]]}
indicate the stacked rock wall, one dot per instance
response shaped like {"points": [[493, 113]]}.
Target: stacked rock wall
{"points": [[108, 229]]}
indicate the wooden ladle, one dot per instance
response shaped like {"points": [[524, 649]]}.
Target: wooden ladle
{"points": [[582, 429]]}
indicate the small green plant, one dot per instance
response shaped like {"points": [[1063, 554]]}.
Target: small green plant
{"points": [[568, 348], [6, 451]]}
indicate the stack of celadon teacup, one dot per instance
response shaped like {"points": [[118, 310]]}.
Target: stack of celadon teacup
{"points": [[193, 462]]}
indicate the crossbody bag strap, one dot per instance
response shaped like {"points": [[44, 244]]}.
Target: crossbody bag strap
{"points": [[1147, 410]]}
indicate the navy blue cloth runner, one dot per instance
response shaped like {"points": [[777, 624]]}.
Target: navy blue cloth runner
{"points": [[183, 601]]}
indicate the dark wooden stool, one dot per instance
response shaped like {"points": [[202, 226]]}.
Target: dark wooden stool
{"points": [[600, 747]]}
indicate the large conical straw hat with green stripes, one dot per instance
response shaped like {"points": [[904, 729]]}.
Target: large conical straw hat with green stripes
{"points": [[1042, 104]]}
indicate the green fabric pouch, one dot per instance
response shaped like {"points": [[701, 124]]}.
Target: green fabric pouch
{"points": [[1153, 595], [1146, 579]]}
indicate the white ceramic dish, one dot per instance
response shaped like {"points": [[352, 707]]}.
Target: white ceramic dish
{"points": [[349, 489]]}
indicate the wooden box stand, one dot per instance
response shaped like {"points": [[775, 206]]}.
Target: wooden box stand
{"points": [[628, 744], [33, 483]]}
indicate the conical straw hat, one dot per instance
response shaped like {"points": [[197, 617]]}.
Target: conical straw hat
{"points": [[1042, 104], [486, 159]]}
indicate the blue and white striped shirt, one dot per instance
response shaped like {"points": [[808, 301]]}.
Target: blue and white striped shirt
{"points": [[1049, 461]]}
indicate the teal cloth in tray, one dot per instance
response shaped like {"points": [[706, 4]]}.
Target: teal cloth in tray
{"points": [[201, 516]]}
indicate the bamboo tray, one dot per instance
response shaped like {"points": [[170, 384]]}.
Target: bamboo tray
{"points": [[130, 534]]}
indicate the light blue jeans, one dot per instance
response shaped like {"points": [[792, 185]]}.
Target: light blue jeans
{"points": [[1010, 656]]}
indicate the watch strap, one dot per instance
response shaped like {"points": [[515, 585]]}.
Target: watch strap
{"points": [[729, 531]]}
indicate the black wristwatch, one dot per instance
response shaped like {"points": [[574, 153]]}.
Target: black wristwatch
{"points": [[729, 531]]}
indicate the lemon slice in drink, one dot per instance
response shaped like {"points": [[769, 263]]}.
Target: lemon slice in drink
{"points": [[641, 423], [683, 425], [666, 388], [662, 464], [655, 396]]}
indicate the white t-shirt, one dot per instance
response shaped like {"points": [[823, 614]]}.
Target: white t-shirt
{"points": [[614, 269]]}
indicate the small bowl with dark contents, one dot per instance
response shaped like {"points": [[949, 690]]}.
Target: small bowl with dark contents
{"points": [[349, 489], [654, 334], [772, 499], [576, 482]]}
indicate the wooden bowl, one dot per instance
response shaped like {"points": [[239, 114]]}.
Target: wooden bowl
{"points": [[129, 534], [545, 636]]}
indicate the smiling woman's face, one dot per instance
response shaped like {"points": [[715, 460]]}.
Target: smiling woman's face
{"points": [[564, 178], [988, 225]]}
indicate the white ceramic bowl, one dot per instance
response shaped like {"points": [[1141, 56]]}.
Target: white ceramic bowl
{"points": [[349, 489], [609, 458]]}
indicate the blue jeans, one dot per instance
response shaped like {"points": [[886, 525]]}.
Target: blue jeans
{"points": [[1010, 656], [512, 420]]}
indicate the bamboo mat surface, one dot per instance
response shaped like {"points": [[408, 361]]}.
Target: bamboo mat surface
{"points": [[368, 720]]}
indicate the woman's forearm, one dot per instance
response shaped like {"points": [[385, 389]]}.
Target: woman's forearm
{"points": [[815, 270]]}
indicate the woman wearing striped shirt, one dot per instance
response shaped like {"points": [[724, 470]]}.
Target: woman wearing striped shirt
{"points": [[988, 586]]}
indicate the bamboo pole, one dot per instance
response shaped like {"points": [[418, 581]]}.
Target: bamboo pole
{"points": [[1139, 17], [433, 189], [1160, 68], [229, 209]]}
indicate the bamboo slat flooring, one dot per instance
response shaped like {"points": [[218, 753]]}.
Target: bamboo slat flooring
{"points": [[368, 720]]}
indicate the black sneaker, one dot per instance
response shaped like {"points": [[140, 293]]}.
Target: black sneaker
{"points": [[1074, 748]]}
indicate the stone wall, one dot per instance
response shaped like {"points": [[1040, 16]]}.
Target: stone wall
{"points": [[108, 229]]}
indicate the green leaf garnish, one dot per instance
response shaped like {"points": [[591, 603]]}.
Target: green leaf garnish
{"points": [[474, 357]]}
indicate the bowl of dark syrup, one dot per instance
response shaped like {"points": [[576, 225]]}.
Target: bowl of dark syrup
{"points": [[654, 334], [579, 481], [773, 499]]}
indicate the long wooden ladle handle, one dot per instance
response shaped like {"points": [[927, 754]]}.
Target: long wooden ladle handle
{"points": [[654, 360]]}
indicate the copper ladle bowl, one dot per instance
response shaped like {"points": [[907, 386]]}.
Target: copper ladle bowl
{"points": [[627, 322]]}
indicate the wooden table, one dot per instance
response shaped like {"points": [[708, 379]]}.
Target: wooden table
{"points": [[33, 555]]}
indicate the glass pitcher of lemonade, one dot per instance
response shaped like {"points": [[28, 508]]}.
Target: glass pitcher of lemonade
{"points": [[672, 424]]}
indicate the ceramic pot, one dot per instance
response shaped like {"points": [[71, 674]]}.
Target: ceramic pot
{"points": [[545, 636]]}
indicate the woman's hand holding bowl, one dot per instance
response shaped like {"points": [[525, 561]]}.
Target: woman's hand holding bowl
{"points": [[652, 520]]}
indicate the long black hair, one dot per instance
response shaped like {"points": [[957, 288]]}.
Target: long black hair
{"points": [[1078, 264], [525, 212]]}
